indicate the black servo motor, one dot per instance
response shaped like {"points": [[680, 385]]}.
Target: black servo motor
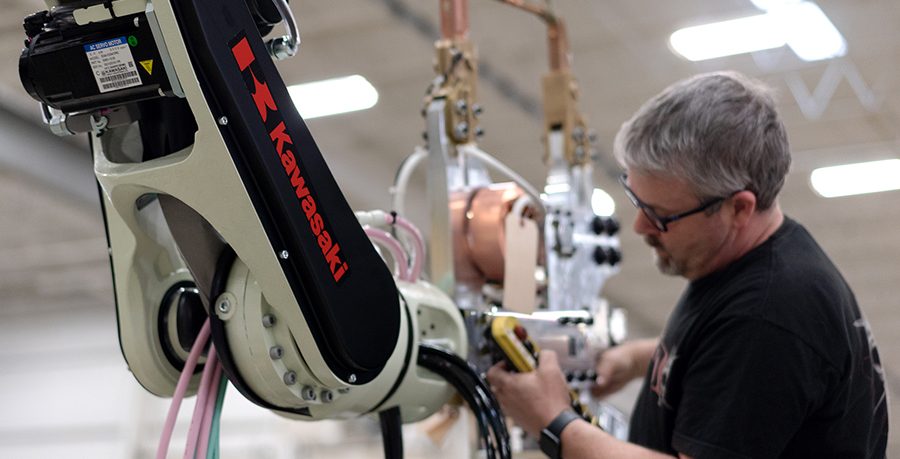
{"points": [[80, 68]]}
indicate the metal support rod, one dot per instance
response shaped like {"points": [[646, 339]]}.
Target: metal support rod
{"points": [[454, 19], [557, 38], [438, 185]]}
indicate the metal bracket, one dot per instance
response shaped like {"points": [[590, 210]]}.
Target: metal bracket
{"points": [[56, 120], [164, 55]]}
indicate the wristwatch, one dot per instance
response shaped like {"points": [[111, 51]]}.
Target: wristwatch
{"points": [[550, 437]]}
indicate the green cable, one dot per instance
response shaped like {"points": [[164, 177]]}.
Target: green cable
{"points": [[213, 451]]}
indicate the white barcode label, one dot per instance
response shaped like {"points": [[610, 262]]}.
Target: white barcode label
{"points": [[112, 64]]}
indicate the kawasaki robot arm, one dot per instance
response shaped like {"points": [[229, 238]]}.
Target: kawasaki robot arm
{"points": [[218, 204]]}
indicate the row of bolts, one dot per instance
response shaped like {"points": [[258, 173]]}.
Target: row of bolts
{"points": [[276, 352]]}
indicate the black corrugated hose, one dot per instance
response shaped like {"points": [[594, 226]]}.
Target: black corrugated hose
{"points": [[473, 389]]}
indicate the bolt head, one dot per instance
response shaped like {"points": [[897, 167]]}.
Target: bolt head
{"points": [[276, 352], [283, 254], [223, 120], [290, 378], [352, 379], [461, 106], [577, 134], [224, 306], [462, 129], [327, 396], [268, 321]]}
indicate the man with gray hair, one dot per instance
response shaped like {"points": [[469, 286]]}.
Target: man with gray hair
{"points": [[766, 353]]}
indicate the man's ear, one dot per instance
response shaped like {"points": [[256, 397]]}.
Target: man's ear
{"points": [[743, 206]]}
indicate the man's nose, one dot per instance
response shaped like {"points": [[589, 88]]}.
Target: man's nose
{"points": [[642, 224]]}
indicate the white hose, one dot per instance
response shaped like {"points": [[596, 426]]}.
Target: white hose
{"points": [[398, 191], [494, 163]]}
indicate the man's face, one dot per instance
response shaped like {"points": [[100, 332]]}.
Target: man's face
{"points": [[691, 247]]}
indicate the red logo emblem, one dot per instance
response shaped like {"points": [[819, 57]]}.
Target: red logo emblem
{"points": [[284, 147]]}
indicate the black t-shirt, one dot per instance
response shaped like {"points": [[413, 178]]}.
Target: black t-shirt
{"points": [[768, 357]]}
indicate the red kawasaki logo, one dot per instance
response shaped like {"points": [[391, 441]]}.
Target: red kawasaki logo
{"points": [[284, 146]]}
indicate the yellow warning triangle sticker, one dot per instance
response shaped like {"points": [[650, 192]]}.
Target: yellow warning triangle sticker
{"points": [[148, 66]]}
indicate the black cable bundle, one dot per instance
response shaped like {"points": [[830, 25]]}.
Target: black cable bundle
{"points": [[476, 393], [391, 433]]}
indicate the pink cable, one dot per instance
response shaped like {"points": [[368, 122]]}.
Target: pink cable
{"points": [[180, 390], [395, 248], [199, 408], [419, 243], [206, 425]]}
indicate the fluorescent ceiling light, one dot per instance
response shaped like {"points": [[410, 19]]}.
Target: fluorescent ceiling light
{"points": [[602, 203], [808, 32], [333, 96], [767, 5], [801, 25], [726, 38], [859, 178]]}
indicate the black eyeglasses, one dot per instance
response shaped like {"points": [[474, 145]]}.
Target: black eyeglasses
{"points": [[661, 223]]}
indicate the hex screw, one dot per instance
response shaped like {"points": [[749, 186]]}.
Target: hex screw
{"points": [[224, 306], [290, 378], [283, 254], [223, 120], [276, 352], [577, 134], [461, 106], [462, 129], [327, 396], [579, 153], [268, 321], [308, 393], [352, 379]]}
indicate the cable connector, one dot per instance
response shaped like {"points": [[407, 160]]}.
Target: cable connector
{"points": [[375, 218]]}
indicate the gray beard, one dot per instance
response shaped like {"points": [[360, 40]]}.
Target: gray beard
{"points": [[665, 265]]}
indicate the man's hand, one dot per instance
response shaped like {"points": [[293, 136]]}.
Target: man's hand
{"points": [[532, 399], [617, 366]]}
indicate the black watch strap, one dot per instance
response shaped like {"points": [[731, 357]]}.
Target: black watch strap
{"points": [[550, 436]]}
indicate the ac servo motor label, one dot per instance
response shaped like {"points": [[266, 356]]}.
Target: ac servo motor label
{"points": [[112, 64]]}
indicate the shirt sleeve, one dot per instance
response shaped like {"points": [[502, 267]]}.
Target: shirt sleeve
{"points": [[746, 391]]}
